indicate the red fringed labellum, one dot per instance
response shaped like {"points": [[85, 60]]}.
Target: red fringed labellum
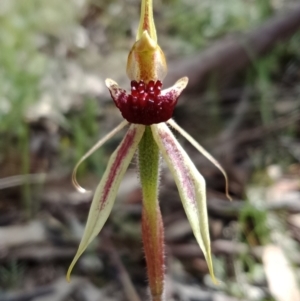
{"points": [[146, 103]]}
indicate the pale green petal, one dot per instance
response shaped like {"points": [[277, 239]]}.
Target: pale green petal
{"points": [[107, 189], [92, 150], [203, 151], [191, 186]]}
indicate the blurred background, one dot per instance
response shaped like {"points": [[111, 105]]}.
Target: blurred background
{"points": [[242, 104]]}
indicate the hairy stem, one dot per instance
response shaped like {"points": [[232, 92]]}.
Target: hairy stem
{"points": [[152, 226]]}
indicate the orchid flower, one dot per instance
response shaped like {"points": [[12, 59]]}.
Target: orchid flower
{"points": [[148, 109]]}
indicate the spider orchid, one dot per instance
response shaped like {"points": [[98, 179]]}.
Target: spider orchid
{"points": [[148, 109]]}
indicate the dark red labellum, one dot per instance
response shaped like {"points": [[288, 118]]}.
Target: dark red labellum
{"points": [[146, 104]]}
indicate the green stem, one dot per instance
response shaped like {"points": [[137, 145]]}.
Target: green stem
{"points": [[152, 226], [149, 169]]}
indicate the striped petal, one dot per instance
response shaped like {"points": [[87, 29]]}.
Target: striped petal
{"points": [[107, 189], [191, 186]]}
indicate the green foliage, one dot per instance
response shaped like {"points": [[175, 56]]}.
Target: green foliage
{"points": [[11, 275], [29, 32], [84, 130], [198, 22], [253, 221], [24, 29]]}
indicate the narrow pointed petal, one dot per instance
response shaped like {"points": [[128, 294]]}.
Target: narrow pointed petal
{"points": [[118, 94], [203, 151], [92, 150], [175, 91], [191, 186], [107, 189]]}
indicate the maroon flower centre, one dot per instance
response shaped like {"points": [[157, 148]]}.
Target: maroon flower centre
{"points": [[146, 104]]}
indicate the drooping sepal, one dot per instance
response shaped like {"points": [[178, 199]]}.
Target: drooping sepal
{"points": [[146, 103], [191, 187], [107, 189], [203, 151], [92, 150]]}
